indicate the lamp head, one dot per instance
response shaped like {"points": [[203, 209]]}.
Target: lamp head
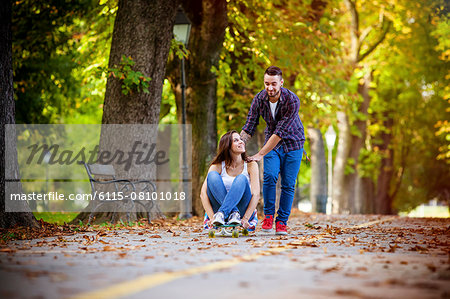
{"points": [[330, 137], [182, 27]]}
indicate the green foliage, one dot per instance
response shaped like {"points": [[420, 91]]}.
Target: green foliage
{"points": [[131, 80], [57, 46], [93, 51], [8, 236], [442, 126], [355, 131], [350, 166], [121, 224], [42, 57], [55, 217], [178, 49], [368, 163], [409, 94], [168, 110]]}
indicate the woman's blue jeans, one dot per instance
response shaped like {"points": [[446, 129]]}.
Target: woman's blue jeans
{"points": [[237, 199], [278, 162]]}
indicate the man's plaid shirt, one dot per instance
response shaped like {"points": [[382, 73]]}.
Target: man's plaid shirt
{"points": [[287, 124]]}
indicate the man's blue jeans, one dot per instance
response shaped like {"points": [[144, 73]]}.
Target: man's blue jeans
{"points": [[287, 164], [237, 199]]}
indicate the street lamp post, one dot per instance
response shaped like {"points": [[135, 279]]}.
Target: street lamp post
{"points": [[181, 31], [330, 137], [47, 157]]}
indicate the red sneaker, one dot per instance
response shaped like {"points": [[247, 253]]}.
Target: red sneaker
{"points": [[281, 228], [267, 223]]}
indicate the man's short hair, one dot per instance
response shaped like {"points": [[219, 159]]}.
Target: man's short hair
{"points": [[274, 71]]}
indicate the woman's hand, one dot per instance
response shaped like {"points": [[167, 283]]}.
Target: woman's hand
{"points": [[244, 222]]}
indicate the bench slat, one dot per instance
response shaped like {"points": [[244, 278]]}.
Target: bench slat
{"points": [[101, 169]]}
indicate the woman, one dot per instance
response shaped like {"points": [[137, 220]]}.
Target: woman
{"points": [[230, 192]]}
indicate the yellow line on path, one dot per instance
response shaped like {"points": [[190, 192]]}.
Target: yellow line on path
{"points": [[152, 280]]}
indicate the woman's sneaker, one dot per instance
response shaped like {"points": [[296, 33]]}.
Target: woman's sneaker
{"points": [[267, 223], [218, 219], [235, 218]]}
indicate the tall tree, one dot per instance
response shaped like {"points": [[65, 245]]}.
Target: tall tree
{"points": [[352, 120], [9, 219], [141, 42], [318, 190], [209, 20]]}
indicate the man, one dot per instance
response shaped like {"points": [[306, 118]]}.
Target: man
{"points": [[283, 147]]}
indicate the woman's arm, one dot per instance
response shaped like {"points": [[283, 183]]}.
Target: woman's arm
{"points": [[203, 194], [252, 168]]}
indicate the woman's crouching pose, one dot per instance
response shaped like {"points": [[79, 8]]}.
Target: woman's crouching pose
{"points": [[230, 192]]}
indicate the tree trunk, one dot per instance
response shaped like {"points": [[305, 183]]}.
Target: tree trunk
{"points": [[143, 30], [368, 196], [340, 192], [209, 20], [10, 175], [354, 180], [348, 188], [383, 199], [318, 190]]}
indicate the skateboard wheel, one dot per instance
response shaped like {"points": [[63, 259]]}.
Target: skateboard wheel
{"points": [[235, 234], [211, 234], [245, 232]]}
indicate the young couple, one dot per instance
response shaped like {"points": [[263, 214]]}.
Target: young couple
{"points": [[231, 189]]}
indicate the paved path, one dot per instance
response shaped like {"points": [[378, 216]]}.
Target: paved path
{"points": [[324, 256]]}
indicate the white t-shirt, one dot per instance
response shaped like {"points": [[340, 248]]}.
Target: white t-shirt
{"points": [[273, 107], [228, 180]]}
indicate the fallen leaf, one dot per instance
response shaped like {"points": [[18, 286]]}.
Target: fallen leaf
{"points": [[109, 248], [7, 250]]}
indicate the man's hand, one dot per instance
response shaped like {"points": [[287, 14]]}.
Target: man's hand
{"points": [[245, 137], [256, 157]]}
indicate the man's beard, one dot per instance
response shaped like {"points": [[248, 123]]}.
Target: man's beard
{"points": [[275, 95]]}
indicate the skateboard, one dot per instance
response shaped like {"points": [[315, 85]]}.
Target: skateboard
{"points": [[227, 230]]}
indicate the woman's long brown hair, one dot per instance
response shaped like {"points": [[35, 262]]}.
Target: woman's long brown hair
{"points": [[223, 153]]}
